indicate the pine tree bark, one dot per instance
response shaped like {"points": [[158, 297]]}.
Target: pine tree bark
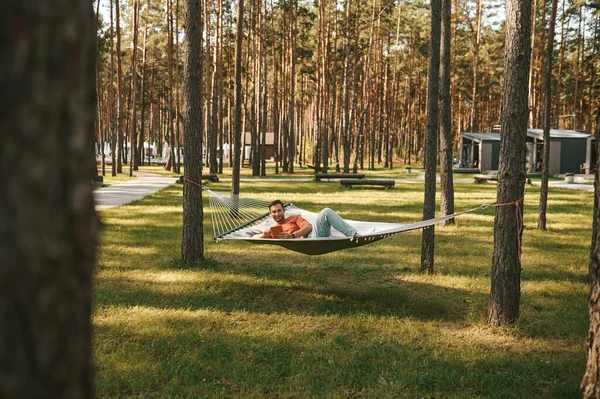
{"points": [[446, 180], [433, 76], [192, 246], [547, 113], [49, 226], [506, 264], [590, 384]]}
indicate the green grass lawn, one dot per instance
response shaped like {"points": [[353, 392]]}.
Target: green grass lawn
{"points": [[259, 321]]}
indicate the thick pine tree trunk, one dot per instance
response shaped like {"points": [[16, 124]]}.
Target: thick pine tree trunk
{"points": [[506, 265], [590, 384], [192, 246], [427, 243], [48, 224], [447, 184]]}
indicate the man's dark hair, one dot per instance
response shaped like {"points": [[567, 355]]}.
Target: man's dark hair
{"points": [[275, 202]]}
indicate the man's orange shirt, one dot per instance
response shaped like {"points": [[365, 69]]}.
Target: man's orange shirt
{"points": [[293, 223]]}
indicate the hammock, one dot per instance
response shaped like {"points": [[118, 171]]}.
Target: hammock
{"points": [[236, 218]]}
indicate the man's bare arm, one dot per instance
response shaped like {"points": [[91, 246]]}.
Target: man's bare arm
{"points": [[303, 232]]}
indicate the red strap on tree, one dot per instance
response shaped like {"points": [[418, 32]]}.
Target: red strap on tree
{"points": [[192, 182]]}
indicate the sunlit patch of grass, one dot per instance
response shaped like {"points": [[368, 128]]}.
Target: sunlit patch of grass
{"points": [[257, 321]]}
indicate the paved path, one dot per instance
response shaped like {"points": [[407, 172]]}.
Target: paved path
{"points": [[551, 184], [123, 193]]}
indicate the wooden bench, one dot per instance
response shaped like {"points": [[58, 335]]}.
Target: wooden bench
{"points": [[319, 176], [484, 178], [387, 183]]}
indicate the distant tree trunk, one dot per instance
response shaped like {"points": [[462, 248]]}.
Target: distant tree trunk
{"points": [[169, 112], [447, 183], [531, 84], [275, 114], [506, 263], [347, 52], [235, 181], [113, 127], [560, 64], [119, 151], [433, 76], [292, 120], [49, 226], [177, 160], [476, 40], [263, 88], [141, 152], [547, 113], [133, 124], [216, 93], [192, 245]]}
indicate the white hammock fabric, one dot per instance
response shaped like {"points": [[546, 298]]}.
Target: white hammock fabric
{"points": [[238, 218]]}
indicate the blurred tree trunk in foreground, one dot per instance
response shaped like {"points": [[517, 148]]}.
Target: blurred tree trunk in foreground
{"points": [[48, 224]]}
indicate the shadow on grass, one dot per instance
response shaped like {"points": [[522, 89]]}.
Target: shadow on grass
{"points": [[299, 296], [212, 356]]}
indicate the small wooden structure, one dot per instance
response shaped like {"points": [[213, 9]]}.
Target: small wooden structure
{"points": [[269, 144]]}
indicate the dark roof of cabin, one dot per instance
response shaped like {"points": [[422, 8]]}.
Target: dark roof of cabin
{"points": [[482, 136], [558, 134]]}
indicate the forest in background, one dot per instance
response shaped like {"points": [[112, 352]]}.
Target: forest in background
{"points": [[336, 84]]}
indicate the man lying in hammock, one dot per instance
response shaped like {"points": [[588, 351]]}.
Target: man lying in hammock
{"points": [[296, 226]]}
